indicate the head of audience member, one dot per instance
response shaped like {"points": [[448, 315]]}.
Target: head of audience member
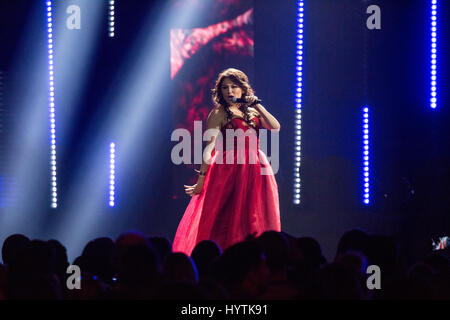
{"points": [[12, 246], [353, 240], [125, 241], [203, 254], [311, 252], [31, 274], [178, 267], [92, 287], [242, 270], [162, 246], [139, 266], [130, 238], [353, 260], [139, 271], [356, 263], [41, 257], [276, 250], [97, 258]]}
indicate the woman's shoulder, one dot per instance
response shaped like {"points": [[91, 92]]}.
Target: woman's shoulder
{"points": [[216, 110], [217, 115]]}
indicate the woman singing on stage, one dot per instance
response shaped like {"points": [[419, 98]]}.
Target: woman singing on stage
{"points": [[232, 198]]}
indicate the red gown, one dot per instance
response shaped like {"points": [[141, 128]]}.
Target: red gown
{"points": [[236, 200]]}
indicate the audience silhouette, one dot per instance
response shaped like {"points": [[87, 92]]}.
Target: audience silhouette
{"points": [[271, 266]]}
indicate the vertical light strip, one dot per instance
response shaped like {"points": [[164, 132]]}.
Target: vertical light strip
{"points": [[433, 87], [54, 202], [298, 101], [365, 157], [112, 174], [111, 21]]}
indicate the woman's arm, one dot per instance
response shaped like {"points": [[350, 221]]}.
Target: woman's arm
{"points": [[214, 121], [268, 121]]}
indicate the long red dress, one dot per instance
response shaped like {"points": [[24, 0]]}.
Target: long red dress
{"points": [[236, 200]]}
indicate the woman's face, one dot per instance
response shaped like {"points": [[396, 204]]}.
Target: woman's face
{"points": [[229, 89]]}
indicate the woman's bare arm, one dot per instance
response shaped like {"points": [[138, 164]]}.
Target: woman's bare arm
{"points": [[268, 121], [214, 121]]}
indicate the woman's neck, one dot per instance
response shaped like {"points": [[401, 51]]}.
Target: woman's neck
{"points": [[236, 106]]}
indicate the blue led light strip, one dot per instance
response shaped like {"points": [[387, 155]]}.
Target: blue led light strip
{"points": [[111, 19], [433, 71], [298, 101], [365, 156], [54, 193], [112, 174]]}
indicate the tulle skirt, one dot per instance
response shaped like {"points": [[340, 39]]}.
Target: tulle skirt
{"points": [[237, 200]]}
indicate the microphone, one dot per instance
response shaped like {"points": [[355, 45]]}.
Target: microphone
{"points": [[242, 100]]}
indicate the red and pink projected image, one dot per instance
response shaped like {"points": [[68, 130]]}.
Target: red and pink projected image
{"points": [[222, 38]]}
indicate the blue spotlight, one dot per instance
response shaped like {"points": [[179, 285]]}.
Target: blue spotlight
{"points": [[54, 193], [365, 156], [111, 19], [112, 174], [298, 102], [433, 87], [1, 131]]}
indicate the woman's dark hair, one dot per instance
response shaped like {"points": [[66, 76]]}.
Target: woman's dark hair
{"points": [[239, 78]]}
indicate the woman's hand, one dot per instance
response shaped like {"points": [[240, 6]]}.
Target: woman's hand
{"points": [[196, 188], [251, 100]]}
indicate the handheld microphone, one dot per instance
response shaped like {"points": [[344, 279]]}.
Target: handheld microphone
{"points": [[242, 100]]}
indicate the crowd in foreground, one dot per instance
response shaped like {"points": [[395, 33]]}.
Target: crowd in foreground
{"points": [[272, 266]]}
